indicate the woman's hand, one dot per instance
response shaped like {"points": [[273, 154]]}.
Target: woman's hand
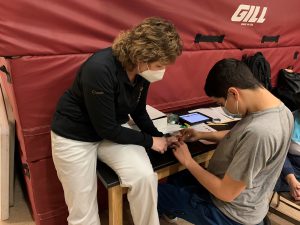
{"points": [[294, 186], [159, 144], [189, 135], [182, 153]]}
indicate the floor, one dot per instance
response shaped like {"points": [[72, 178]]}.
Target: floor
{"points": [[20, 214]]}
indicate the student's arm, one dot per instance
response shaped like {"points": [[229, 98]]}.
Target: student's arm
{"points": [[191, 135], [226, 189]]}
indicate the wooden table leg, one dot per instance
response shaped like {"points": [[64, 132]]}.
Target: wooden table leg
{"points": [[115, 205]]}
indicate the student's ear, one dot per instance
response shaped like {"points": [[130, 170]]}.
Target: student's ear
{"points": [[234, 92]]}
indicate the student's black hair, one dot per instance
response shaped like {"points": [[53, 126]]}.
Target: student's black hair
{"points": [[228, 73]]}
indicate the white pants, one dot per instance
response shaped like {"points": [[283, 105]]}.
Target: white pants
{"points": [[132, 165], [75, 162]]}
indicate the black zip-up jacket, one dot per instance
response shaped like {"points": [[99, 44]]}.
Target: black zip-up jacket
{"points": [[100, 100]]}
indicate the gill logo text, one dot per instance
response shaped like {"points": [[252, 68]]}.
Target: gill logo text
{"points": [[249, 14]]}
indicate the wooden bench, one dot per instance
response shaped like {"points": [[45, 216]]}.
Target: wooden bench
{"points": [[287, 199], [164, 165]]}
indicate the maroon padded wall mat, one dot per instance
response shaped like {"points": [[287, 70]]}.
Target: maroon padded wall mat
{"points": [[46, 194], [63, 27]]}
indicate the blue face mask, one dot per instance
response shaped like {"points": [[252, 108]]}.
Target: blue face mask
{"points": [[232, 115]]}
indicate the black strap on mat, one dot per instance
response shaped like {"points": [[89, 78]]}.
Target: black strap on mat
{"points": [[296, 55], [270, 39], [207, 38]]}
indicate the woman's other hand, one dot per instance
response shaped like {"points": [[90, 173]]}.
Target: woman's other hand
{"points": [[159, 144]]}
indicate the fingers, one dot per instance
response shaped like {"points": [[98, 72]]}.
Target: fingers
{"points": [[178, 136], [171, 140], [164, 149], [176, 144], [187, 134], [181, 142], [294, 195]]}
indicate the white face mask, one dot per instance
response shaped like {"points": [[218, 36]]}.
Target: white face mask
{"points": [[230, 114], [152, 75]]}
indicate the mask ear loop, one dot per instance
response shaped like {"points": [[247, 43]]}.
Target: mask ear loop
{"points": [[225, 103], [138, 68], [237, 107]]}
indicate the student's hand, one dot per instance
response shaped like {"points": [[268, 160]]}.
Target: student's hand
{"points": [[171, 140], [159, 144], [182, 153], [294, 186], [189, 135]]}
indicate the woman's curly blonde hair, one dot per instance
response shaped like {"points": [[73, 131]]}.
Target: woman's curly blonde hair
{"points": [[155, 39]]}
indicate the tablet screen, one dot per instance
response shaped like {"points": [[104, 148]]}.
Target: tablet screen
{"points": [[194, 118]]}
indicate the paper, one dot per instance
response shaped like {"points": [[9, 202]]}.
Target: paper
{"points": [[160, 123], [216, 113], [163, 126], [154, 113], [203, 127]]}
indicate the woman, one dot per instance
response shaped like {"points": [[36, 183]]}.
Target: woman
{"points": [[91, 119]]}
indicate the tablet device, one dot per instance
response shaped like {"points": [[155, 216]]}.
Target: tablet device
{"points": [[194, 118]]}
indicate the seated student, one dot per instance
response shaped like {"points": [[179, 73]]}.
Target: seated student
{"points": [[247, 161], [290, 175]]}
